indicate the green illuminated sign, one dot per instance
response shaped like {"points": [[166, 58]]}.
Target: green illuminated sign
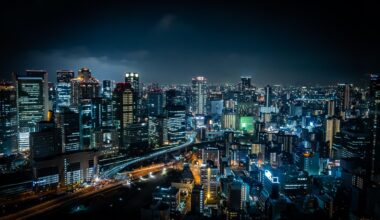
{"points": [[246, 123]]}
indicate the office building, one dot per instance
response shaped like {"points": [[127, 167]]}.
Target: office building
{"points": [[123, 107], [199, 95], [32, 103], [84, 86], [107, 88], [8, 119], [136, 140], [64, 88], [105, 139], [245, 82], [210, 154], [45, 141], [134, 80], [210, 182], [169, 196], [155, 103], [332, 127], [175, 121], [268, 96], [67, 121], [197, 199], [330, 108], [374, 98]]}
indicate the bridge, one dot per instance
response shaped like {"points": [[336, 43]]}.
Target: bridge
{"points": [[113, 171]]}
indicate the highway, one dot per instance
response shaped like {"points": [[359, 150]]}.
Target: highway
{"points": [[59, 202], [113, 171]]}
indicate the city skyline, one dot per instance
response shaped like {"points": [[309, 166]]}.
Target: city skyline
{"points": [[189, 110]]}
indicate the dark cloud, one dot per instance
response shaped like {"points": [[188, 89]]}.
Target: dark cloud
{"points": [[289, 43]]}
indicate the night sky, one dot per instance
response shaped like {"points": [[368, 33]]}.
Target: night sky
{"points": [[171, 41]]}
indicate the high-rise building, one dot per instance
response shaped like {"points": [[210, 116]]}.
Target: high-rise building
{"points": [[84, 86], [136, 141], [32, 103], [330, 108], [155, 103], [44, 142], [374, 98], [89, 119], [229, 120], [134, 80], [245, 83], [68, 124], [44, 75], [52, 100], [107, 89], [64, 88], [271, 187], [197, 199], [107, 107], [199, 95], [175, 123], [344, 96], [238, 192], [332, 127], [8, 119], [123, 107], [106, 140], [210, 154], [209, 179], [268, 96]]}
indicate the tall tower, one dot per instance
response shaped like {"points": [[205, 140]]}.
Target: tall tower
{"points": [[64, 88], [332, 127], [245, 82], [344, 96], [268, 96], [8, 119], [374, 98], [123, 110], [84, 87], [32, 103], [134, 80], [107, 89], [330, 108], [199, 95]]}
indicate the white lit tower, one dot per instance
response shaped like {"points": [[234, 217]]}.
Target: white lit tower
{"points": [[199, 95]]}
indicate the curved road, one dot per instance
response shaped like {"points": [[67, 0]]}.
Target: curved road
{"points": [[113, 171]]}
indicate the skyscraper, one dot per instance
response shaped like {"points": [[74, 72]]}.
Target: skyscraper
{"points": [[32, 103], [8, 119], [245, 83], [44, 142], [90, 119], [268, 96], [84, 87], [330, 108], [134, 80], [107, 89], [64, 88], [175, 123], [155, 103], [374, 98], [209, 179], [332, 127], [107, 107], [344, 97], [123, 110], [68, 125], [199, 95]]}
